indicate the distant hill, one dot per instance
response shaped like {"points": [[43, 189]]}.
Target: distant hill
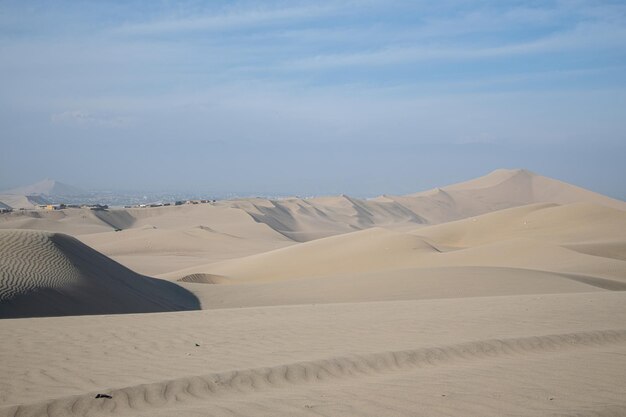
{"points": [[47, 187]]}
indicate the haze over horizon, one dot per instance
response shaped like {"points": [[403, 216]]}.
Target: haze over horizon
{"points": [[362, 98], [51, 188]]}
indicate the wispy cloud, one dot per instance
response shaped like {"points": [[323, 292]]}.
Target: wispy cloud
{"points": [[583, 37], [397, 53], [87, 119], [223, 21]]}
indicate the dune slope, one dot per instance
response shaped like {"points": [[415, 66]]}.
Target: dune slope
{"points": [[368, 250], [51, 274], [403, 284], [500, 189], [575, 238]]}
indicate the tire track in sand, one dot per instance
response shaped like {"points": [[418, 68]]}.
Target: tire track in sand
{"points": [[237, 382]]}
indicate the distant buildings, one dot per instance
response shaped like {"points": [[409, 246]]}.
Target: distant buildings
{"points": [[5, 208], [53, 206]]}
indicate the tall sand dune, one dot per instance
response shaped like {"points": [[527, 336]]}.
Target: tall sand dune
{"points": [[500, 189], [520, 186], [50, 274]]}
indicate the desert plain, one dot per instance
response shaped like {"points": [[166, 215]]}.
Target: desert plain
{"points": [[499, 296]]}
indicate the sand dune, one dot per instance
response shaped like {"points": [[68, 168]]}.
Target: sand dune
{"points": [[504, 295], [69, 221], [368, 250], [303, 220], [498, 190], [578, 222], [166, 239], [530, 237], [47, 274], [307, 219], [468, 258], [158, 240], [151, 250], [520, 187]]}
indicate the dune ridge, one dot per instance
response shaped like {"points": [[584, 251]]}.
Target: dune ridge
{"points": [[250, 226], [307, 219]]}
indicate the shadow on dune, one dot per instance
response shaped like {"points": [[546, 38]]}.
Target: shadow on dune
{"points": [[604, 283], [81, 301], [52, 274]]}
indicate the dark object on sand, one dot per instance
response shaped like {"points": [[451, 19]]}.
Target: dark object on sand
{"points": [[197, 344], [103, 396]]}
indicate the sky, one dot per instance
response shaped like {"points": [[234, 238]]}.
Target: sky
{"points": [[308, 98]]}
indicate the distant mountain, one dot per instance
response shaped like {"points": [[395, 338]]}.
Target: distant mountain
{"points": [[47, 187]]}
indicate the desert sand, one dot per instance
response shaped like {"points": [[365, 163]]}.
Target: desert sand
{"points": [[503, 295]]}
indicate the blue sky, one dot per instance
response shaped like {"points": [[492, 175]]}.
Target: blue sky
{"points": [[361, 97]]}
